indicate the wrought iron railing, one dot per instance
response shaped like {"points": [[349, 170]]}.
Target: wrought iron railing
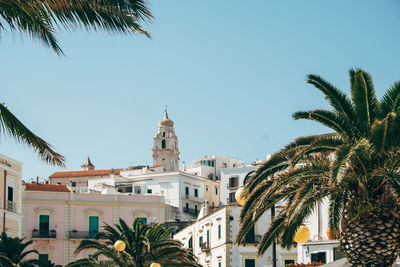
{"points": [[83, 234], [11, 206], [191, 211], [44, 234]]}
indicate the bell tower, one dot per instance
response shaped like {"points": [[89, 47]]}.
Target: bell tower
{"points": [[165, 147]]}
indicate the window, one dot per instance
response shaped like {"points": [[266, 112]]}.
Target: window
{"points": [[73, 184], [187, 191], [143, 220], [219, 231], [232, 197], [212, 164], [250, 237], [208, 238], [319, 257], [206, 188], [138, 190], [216, 190], [44, 221], [10, 196], [93, 226], [233, 181], [190, 243], [200, 241], [289, 262], [163, 134], [249, 263], [43, 258], [195, 209], [196, 192], [219, 264], [336, 254], [163, 143], [187, 206], [149, 191], [224, 165]]}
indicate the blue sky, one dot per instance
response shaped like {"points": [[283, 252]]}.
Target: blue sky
{"points": [[232, 73]]}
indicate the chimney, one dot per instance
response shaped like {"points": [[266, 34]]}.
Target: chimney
{"points": [[183, 166]]}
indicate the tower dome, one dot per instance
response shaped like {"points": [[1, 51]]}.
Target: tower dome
{"points": [[166, 122]]}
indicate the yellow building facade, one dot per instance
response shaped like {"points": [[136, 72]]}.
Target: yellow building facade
{"points": [[10, 196]]}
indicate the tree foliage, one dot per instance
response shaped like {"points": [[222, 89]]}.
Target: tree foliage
{"points": [[357, 167], [41, 18], [144, 244], [12, 127]]}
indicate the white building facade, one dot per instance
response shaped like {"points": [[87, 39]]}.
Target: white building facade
{"points": [[211, 238], [211, 166]]}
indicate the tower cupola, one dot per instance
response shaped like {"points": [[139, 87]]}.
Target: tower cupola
{"points": [[87, 166]]}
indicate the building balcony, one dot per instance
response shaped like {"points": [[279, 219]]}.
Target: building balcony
{"points": [[205, 247], [82, 234], [232, 186], [44, 234], [11, 206], [191, 211]]}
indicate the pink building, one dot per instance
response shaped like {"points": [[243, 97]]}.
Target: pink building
{"points": [[58, 219]]}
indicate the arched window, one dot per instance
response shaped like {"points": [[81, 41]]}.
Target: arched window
{"points": [[163, 134], [163, 143]]}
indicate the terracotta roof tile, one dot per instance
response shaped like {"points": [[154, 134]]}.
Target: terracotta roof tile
{"points": [[84, 173], [156, 166], [46, 187]]}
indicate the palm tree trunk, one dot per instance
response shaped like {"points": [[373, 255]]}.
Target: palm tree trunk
{"points": [[370, 242]]}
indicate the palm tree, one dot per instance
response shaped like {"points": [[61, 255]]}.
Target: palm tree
{"points": [[40, 18], [11, 126], [144, 244], [357, 168], [13, 252]]}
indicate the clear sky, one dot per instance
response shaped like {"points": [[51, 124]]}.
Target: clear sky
{"points": [[232, 73]]}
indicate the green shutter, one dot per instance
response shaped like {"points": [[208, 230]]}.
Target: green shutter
{"points": [[44, 218], [219, 231], [143, 220], [93, 226]]}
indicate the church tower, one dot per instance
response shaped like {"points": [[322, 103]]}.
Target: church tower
{"points": [[165, 148]]}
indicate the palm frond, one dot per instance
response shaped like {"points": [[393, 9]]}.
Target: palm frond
{"points": [[11, 126]]}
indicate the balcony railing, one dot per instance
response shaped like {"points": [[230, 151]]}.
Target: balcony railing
{"points": [[82, 234], [191, 211], [44, 234], [11, 206]]}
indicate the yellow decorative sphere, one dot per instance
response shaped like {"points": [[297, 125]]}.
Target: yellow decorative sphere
{"points": [[119, 245], [302, 235], [155, 264], [239, 198]]}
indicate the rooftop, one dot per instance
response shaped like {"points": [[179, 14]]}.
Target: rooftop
{"points": [[46, 187], [85, 173]]}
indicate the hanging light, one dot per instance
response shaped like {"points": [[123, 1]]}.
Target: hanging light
{"points": [[239, 196], [119, 245], [155, 264], [302, 235]]}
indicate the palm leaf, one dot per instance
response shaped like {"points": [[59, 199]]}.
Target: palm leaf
{"points": [[11, 126]]}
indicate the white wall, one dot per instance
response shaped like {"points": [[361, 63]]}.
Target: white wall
{"points": [[226, 174]]}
